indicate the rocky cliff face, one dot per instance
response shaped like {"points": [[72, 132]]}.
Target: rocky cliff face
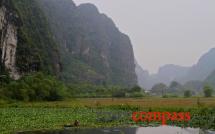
{"points": [[8, 39], [92, 48], [26, 43], [77, 43]]}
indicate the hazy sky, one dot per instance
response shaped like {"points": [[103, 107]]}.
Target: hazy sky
{"points": [[164, 31]]}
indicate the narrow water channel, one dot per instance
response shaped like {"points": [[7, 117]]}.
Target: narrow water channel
{"points": [[141, 130]]}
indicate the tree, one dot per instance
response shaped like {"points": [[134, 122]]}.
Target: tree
{"points": [[187, 93], [35, 87], [195, 86], [175, 85], [208, 91], [119, 94], [159, 89], [175, 88], [136, 89]]}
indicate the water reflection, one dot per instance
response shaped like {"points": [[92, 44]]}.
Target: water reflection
{"points": [[141, 130], [168, 130]]}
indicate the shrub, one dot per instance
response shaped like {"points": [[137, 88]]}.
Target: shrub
{"points": [[136, 95], [187, 93], [119, 94], [136, 89], [170, 96], [35, 87], [208, 91]]}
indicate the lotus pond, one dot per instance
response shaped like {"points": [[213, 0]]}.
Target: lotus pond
{"points": [[51, 116]]}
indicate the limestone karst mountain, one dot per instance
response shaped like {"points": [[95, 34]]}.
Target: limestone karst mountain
{"points": [[199, 72], [166, 75], [75, 43], [203, 68]]}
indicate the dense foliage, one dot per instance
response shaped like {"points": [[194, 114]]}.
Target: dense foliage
{"points": [[187, 93], [159, 89], [36, 48], [43, 87], [208, 91], [175, 89], [35, 87], [86, 90]]}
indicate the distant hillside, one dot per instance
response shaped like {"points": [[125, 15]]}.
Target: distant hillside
{"points": [[198, 72], [143, 77], [202, 69], [166, 75], [169, 73], [211, 79]]}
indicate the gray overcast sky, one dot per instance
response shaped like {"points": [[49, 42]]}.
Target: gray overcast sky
{"points": [[163, 31]]}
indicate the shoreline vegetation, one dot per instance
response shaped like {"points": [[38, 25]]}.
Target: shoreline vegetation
{"points": [[42, 87], [102, 112], [38, 101]]}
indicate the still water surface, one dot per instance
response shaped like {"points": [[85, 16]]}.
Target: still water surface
{"points": [[141, 130]]}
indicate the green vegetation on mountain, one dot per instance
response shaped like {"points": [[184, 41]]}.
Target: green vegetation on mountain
{"points": [[92, 48], [76, 43], [36, 48]]}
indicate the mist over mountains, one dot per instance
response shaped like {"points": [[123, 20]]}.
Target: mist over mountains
{"points": [[202, 71], [77, 44]]}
